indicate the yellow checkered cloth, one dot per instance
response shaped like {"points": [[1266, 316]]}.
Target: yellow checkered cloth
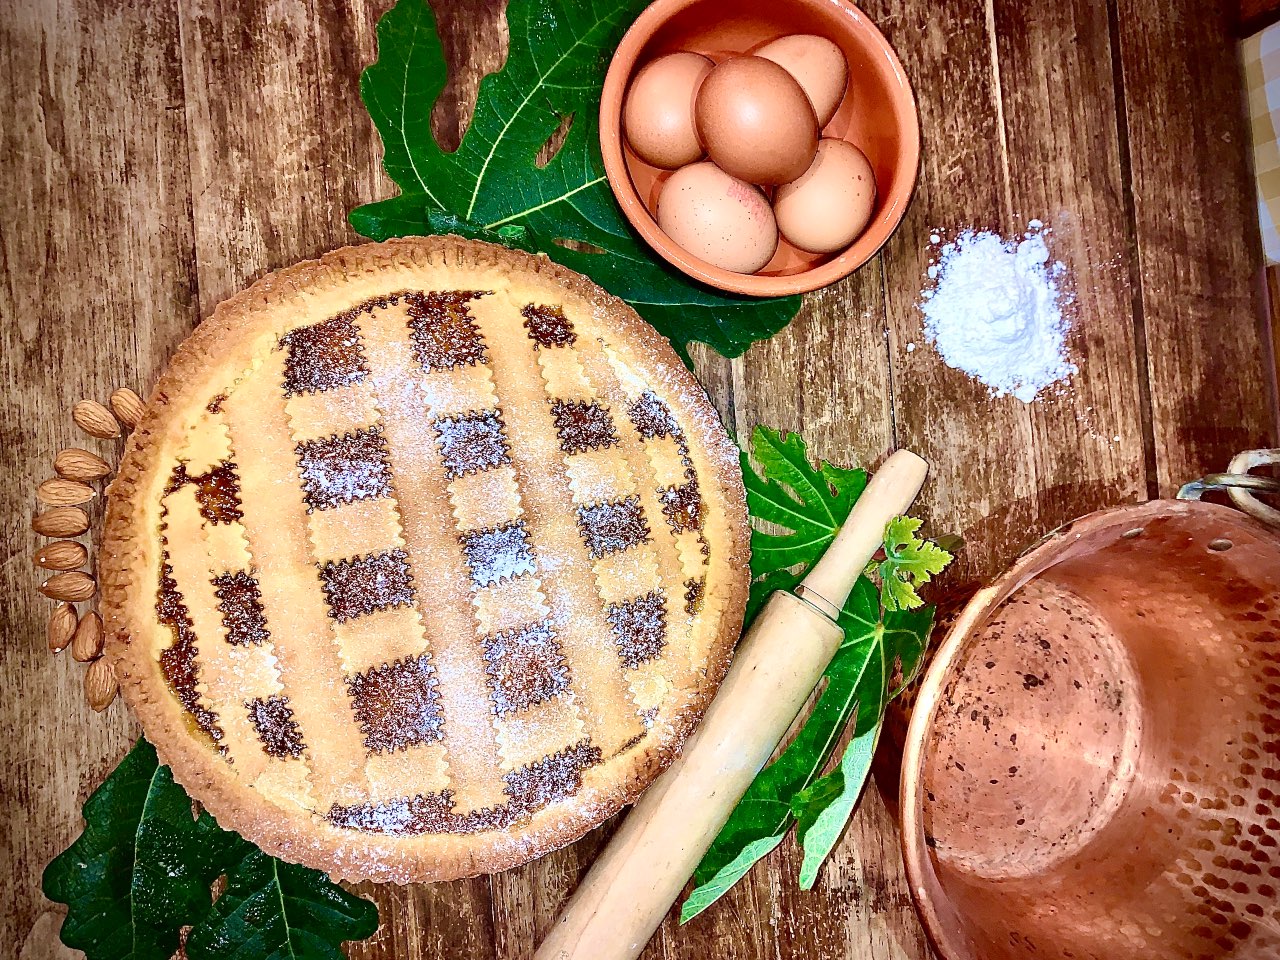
{"points": [[1262, 75]]}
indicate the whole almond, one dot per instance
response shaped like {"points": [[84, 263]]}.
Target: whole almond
{"points": [[100, 684], [56, 492], [60, 522], [127, 406], [86, 644], [71, 587], [76, 464], [61, 555], [95, 419], [62, 626]]}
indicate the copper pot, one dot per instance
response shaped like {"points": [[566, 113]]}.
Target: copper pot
{"points": [[1092, 769]]}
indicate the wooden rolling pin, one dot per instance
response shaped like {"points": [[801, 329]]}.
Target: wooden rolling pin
{"points": [[635, 880]]}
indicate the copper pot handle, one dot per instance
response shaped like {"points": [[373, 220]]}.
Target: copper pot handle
{"points": [[1241, 485]]}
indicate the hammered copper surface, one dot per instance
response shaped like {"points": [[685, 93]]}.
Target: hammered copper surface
{"points": [[1093, 770]]}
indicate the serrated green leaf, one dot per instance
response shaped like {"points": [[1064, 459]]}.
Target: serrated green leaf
{"points": [[141, 869], [823, 808], [272, 910], [909, 562], [144, 867], [491, 186], [709, 892], [810, 504]]}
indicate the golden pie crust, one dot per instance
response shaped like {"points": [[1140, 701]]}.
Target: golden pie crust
{"points": [[425, 559]]}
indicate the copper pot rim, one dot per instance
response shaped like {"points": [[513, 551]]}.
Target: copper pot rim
{"points": [[1031, 562]]}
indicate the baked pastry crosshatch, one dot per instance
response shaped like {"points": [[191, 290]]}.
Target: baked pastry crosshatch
{"points": [[503, 525]]}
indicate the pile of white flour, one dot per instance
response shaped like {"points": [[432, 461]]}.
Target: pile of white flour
{"points": [[995, 311]]}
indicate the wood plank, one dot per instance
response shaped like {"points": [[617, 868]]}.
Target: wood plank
{"points": [[1006, 144], [1273, 315], [826, 376], [97, 260], [281, 149], [1196, 230]]}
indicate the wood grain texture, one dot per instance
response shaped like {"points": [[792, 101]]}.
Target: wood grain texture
{"points": [[1196, 232], [161, 157], [98, 266]]}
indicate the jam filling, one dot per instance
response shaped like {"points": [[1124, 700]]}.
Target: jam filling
{"points": [[272, 717], [525, 666], [612, 526], [217, 492], [695, 591], [397, 704], [682, 506], [583, 426], [639, 627], [361, 585], [442, 331], [530, 788], [344, 469], [652, 418], [241, 604], [498, 553], [178, 662], [548, 326], [471, 442], [325, 355]]}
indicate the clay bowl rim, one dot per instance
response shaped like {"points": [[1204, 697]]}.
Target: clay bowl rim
{"points": [[915, 852], [621, 68]]}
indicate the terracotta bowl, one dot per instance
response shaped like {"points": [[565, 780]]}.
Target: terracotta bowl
{"points": [[878, 115], [1092, 769]]}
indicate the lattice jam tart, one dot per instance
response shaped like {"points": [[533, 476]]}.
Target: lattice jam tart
{"points": [[425, 559]]}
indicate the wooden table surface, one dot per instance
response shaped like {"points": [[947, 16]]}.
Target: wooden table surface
{"points": [[159, 156]]}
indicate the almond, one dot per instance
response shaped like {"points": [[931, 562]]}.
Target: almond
{"points": [[86, 644], [61, 555], [62, 626], [127, 406], [100, 684], [56, 492], [72, 587], [61, 522], [95, 419], [76, 464]]}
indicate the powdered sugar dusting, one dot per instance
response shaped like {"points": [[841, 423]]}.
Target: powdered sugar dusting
{"points": [[995, 311]]}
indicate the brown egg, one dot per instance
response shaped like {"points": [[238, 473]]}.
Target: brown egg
{"points": [[828, 207], [718, 218], [817, 64], [658, 114], [755, 121]]}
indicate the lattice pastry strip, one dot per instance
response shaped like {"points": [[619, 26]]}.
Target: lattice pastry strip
{"points": [[275, 521], [356, 529], [670, 486], [358, 543], [324, 413], [417, 769], [525, 670], [609, 716], [563, 374], [611, 516], [594, 477], [431, 541], [216, 674], [638, 622], [540, 730], [485, 498], [510, 605]]}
